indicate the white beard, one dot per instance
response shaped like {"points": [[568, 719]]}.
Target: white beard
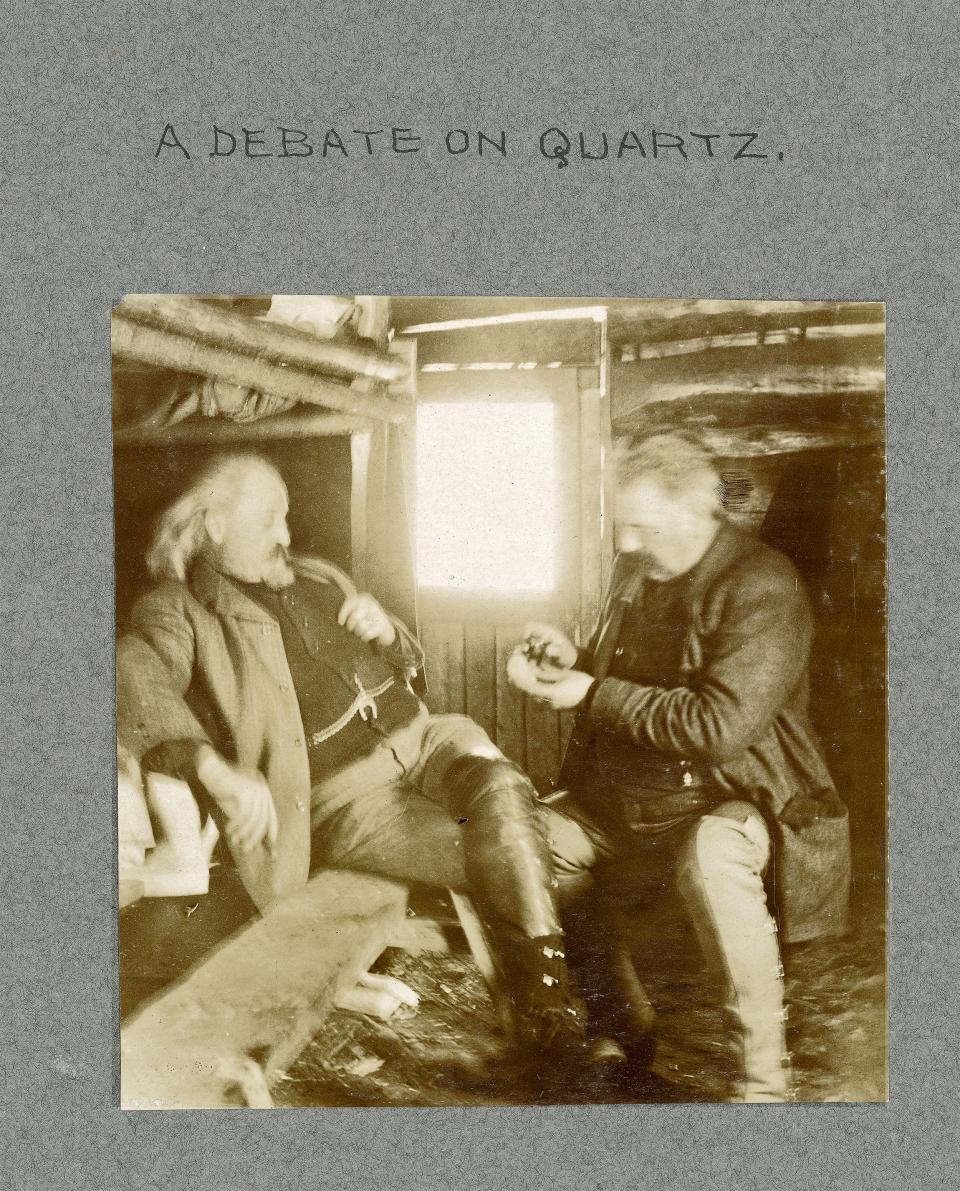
{"points": [[278, 574]]}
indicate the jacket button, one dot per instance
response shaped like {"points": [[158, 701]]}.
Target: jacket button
{"points": [[619, 651]]}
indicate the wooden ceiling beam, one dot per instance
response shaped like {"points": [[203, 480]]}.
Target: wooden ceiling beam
{"points": [[649, 319], [567, 343], [275, 342], [171, 349], [804, 368], [629, 325], [306, 424]]}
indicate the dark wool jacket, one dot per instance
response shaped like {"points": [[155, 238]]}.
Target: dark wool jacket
{"points": [[740, 713], [204, 662]]}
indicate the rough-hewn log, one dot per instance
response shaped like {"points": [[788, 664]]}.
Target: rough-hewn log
{"points": [[307, 424], [238, 1020], [170, 349], [830, 367], [646, 320], [747, 442], [284, 345], [652, 322]]}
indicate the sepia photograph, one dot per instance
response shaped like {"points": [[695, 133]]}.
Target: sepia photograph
{"points": [[501, 700]]}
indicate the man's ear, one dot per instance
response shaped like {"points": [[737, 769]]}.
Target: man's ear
{"points": [[215, 524]]}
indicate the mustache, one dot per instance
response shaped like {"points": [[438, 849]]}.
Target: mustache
{"points": [[636, 559], [279, 574]]}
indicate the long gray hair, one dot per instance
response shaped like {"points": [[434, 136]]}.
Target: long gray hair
{"points": [[180, 531]]}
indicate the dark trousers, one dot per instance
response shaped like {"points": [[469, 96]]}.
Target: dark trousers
{"points": [[401, 812]]}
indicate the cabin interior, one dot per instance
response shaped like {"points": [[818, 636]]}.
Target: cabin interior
{"points": [[456, 454]]}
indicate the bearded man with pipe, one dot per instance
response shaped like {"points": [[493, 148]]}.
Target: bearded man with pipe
{"points": [[282, 695]]}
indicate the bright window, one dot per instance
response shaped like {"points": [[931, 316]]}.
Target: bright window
{"points": [[487, 496]]}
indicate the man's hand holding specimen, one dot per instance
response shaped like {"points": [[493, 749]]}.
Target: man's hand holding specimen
{"points": [[542, 668]]}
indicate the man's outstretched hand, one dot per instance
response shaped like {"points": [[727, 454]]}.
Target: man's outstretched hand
{"points": [[361, 615], [244, 797], [561, 689]]}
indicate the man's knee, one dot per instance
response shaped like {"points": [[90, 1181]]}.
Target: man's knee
{"points": [[451, 744], [729, 840], [448, 737], [572, 852], [478, 781]]}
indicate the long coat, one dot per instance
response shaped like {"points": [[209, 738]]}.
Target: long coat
{"points": [[202, 661], [740, 712]]}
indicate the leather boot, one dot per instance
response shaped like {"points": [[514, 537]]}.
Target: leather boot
{"points": [[511, 880], [506, 855], [621, 1043], [549, 1018]]}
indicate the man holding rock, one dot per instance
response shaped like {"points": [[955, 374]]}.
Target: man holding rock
{"points": [[694, 765]]}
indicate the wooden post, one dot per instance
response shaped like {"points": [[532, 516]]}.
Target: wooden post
{"points": [[360, 446], [591, 507]]}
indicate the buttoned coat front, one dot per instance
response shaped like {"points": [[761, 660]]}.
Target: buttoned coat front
{"points": [[740, 712]]}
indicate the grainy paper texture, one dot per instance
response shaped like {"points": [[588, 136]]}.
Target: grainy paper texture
{"points": [[857, 96]]}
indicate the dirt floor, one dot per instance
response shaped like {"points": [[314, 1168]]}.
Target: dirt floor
{"points": [[450, 1050]]}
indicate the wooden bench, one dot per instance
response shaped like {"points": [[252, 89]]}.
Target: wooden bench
{"points": [[222, 1035]]}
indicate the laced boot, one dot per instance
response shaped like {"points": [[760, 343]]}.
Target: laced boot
{"points": [[549, 1017], [619, 1009]]}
